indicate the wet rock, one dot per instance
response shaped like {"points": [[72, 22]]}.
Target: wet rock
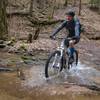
{"points": [[39, 45], [20, 74], [1, 41], [92, 87], [26, 57], [10, 43], [2, 45], [15, 48], [5, 69], [29, 62]]}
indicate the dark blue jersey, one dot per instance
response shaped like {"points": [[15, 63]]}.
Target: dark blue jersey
{"points": [[72, 26]]}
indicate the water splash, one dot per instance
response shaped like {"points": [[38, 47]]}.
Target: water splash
{"points": [[80, 75]]}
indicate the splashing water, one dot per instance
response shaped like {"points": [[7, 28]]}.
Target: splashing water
{"points": [[80, 75]]}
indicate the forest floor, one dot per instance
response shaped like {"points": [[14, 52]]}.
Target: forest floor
{"points": [[32, 85]]}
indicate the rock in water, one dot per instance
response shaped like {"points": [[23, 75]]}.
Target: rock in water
{"points": [[1, 41], [2, 45], [5, 69], [20, 74]]}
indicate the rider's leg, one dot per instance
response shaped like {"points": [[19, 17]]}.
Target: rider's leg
{"points": [[71, 43], [71, 48], [66, 42]]}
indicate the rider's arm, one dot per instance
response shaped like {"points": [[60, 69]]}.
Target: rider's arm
{"points": [[77, 29], [59, 28]]}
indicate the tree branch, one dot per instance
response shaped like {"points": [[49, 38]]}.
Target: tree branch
{"points": [[18, 13], [42, 23]]}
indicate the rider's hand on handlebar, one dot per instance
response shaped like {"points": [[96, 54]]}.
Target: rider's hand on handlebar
{"points": [[69, 38], [53, 37]]}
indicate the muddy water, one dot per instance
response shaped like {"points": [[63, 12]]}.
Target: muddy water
{"points": [[36, 87]]}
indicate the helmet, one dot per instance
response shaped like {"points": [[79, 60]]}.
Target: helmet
{"points": [[71, 13]]}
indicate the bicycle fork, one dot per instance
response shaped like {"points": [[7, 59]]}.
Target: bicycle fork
{"points": [[57, 61]]}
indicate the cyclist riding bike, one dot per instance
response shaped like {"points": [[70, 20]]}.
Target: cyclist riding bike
{"points": [[72, 24]]}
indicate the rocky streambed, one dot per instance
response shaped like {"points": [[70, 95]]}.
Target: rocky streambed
{"points": [[24, 79]]}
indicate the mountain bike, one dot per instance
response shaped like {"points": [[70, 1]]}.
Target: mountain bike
{"points": [[60, 59]]}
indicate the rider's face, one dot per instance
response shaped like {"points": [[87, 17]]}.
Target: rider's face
{"points": [[69, 18]]}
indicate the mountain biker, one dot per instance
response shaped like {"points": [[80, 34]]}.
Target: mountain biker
{"points": [[72, 24]]}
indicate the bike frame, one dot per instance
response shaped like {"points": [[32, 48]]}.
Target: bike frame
{"points": [[61, 58], [61, 48]]}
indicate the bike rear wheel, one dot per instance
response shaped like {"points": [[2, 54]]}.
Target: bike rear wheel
{"points": [[53, 64]]}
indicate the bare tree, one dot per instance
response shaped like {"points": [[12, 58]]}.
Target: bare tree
{"points": [[80, 6], [74, 2], [31, 7], [53, 9], [41, 10], [66, 3], [3, 19], [95, 4]]}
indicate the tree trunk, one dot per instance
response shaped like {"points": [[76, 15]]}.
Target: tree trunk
{"points": [[3, 20], [80, 6], [95, 3], [29, 39], [74, 3], [53, 9], [31, 7], [99, 6], [36, 35], [66, 3]]}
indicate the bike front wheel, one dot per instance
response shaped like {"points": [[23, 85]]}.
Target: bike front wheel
{"points": [[53, 64]]}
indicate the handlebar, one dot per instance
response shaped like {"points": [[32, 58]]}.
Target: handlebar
{"points": [[69, 38], [53, 37]]}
